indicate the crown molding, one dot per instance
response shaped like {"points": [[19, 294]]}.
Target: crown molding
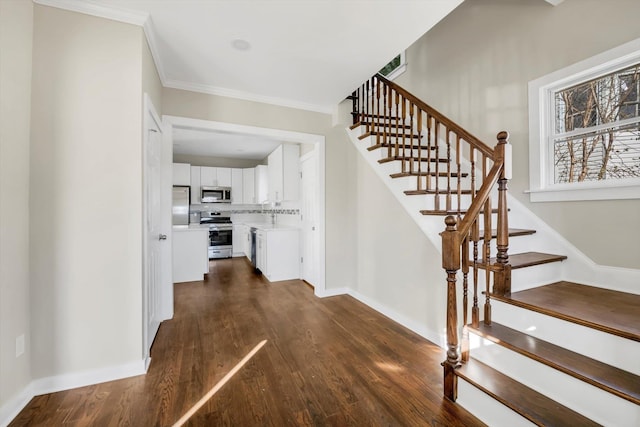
{"points": [[94, 9], [246, 96]]}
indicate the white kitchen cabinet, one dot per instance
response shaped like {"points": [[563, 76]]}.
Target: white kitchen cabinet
{"points": [[223, 176], [248, 186], [181, 174], [190, 253], [215, 177], [284, 177], [261, 184], [195, 185], [237, 187], [208, 176], [278, 253]]}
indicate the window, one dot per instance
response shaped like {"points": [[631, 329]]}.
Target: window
{"points": [[395, 67], [585, 129]]}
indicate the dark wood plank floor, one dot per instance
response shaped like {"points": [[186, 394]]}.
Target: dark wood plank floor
{"points": [[328, 362]]}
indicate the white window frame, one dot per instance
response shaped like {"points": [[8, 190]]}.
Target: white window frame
{"points": [[400, 68], [542, 120]]}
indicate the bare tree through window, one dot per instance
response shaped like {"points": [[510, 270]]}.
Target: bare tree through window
{"points": [[597, 128]]}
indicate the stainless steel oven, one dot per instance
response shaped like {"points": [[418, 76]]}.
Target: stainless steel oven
{"points": [[220, 234]]}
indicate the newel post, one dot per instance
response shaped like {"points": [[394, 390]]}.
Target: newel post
{"points": [[451, 264], [502, 283]]}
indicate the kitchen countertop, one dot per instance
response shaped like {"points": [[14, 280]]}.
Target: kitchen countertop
{"points": [[269, 226], [191, 227]]}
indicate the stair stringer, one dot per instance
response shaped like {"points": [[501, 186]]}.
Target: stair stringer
{"points": [[576, 268]]}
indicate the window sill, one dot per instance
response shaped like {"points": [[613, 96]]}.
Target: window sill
{"points": [[586, 192], [395, 73]]}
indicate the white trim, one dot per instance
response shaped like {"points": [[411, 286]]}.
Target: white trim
{"points": [[333, 292], [231, 93], [101, 11], [152, 41], [66, 382], [284, 136], [542, 188], [554, 2]]}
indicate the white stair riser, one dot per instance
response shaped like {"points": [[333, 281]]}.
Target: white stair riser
{"points": [[487, 409], [592, 402], [607, 348]]}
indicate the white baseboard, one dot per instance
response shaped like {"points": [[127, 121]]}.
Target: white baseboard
{"points": [[331, 292], [57, 383]]}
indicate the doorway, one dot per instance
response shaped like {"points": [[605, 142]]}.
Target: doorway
{"points": [[318, 142]]}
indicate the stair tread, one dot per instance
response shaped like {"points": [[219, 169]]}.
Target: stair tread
{"points": [[609, 378], [532, 405], [400, 146], [513, 232], [423, 159], [584, 305], [440, 174], [391, 134], [528, 259], [440, 192], [368, 122]]}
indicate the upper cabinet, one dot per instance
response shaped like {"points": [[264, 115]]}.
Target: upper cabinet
{"points": [[248, 186], [215, 177], [261, 184], [283, 172], [195, 185], [181, 174], [237, 196]]}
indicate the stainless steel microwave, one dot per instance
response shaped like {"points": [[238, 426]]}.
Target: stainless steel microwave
{"points": [[215, 194]]}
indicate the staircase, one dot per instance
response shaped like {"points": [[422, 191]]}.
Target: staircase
{"points": [[543, 350]]}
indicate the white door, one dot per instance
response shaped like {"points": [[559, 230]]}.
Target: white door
{"points": [[154, 235], [309, 212]]}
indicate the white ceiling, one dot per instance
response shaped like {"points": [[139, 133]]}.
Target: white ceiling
{"points": [[202, 142], [307, 54]]}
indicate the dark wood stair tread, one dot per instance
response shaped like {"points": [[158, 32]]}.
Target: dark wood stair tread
{"points": [[422, 159], [606, 310], [527, 402], [400, 146], [391, 134], [622, 383], [513, 232], [440, 192], [527, 259], [431, 173]]}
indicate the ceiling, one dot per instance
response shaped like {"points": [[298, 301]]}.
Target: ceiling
{"points": [[230, 145], [307, 54]]}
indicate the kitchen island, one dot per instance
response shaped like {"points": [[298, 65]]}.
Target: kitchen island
{"points": [[190, 252]]}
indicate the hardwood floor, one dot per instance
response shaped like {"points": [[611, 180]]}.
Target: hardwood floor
{"points": [[327, 362]]}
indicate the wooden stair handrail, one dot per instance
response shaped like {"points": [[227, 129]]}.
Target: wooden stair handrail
{"points": [[479, 145], [422, 138]]}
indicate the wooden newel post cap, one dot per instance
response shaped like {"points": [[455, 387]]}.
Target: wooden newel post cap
{"points": [[451, 223], [503, 137]]}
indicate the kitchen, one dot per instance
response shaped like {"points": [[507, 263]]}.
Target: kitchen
{"points": [[242, 195]]}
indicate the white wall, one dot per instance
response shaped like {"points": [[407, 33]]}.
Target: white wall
{"points": [[16, 26], [86, 193], [474, 66]]}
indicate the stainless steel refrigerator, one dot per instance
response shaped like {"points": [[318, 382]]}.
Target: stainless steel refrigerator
{"points": [[180, 210]]}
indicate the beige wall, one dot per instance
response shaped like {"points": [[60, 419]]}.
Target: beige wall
{"points": [[475, 65], [86, 193], [16, 26], [340, 266]]}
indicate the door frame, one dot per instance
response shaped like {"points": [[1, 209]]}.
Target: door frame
{"points": [[285, 136], [165, 290], [310, 157]]}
